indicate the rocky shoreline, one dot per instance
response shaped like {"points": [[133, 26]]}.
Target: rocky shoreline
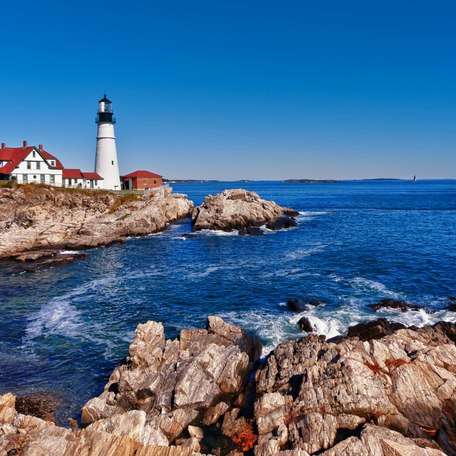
{"points": [[209, 392], [39, 222], [46, 226]]}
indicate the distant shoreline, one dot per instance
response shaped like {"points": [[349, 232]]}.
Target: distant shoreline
{"points": [[304, 181]]}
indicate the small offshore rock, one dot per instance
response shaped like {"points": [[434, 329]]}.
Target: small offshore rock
{"points": [[393, 304], [251, 231], [189, 236], [305, 325], [300, 305], [282, 223]]}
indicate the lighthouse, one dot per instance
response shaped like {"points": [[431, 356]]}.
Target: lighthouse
{"points": [[106, 164]]}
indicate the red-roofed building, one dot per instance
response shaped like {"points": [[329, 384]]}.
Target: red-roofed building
{"points": [[75, 178], [141, 180], [30, 164]]}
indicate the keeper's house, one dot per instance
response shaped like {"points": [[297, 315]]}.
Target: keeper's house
{"points": [[141, 180], [29, 164]]}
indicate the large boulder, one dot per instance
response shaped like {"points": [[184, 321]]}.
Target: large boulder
{"points": [[240, 210]]}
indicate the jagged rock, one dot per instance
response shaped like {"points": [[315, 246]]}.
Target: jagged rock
{"points": [[176, 382], [377, 441], [392, 396], [305, 325], [237, 210], [389, 303], [38, 218], [405, 381], [374, 329], [30, 436]]}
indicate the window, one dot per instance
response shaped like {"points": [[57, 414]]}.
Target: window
{"points": [[145, 181], [29, 165], [33, 154], [69, 182], [24, 178], [38, 165], [155, 181], [34, 177], [43, 178], [112, 162], [52, 163], [52, 179]]}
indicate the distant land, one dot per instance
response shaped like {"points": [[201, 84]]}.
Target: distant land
{"points": [[188, 181], [311, 181]]}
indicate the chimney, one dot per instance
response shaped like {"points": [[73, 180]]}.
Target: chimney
{"points": [[3, 146], [24, 143], [40, 147]]}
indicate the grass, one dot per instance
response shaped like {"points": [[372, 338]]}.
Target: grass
{"points": [[124, 199]]}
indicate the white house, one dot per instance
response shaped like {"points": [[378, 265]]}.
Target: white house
{"points": [[30, 164]]}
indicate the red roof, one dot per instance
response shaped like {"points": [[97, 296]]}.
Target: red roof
{"points": [[72, 173], [140, 173], [93, 176], [48, 156], [15, 155]]}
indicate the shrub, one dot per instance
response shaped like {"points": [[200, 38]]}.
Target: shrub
{"points": [[123, 199]]}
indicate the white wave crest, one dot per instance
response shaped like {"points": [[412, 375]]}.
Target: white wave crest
{"points": [[366, 284]]}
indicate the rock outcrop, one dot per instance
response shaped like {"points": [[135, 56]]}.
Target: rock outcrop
{"points": [[36, 221], [311, 394], [174, 384], [240, 210], [205, 393]]}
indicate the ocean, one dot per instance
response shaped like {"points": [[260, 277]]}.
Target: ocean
{"points": [[63, 330]]}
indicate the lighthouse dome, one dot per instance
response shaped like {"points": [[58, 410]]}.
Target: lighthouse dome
{"points": [[105, 99]]}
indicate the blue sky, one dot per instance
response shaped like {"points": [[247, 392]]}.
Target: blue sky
{"points": [[237, 89]]}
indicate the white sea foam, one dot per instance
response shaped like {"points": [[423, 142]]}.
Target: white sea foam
{"points": [[311, 213], [275, 327], [302, 253], [69, 252], [201, 274], [217, 233], [57, 317], [366, 284]]}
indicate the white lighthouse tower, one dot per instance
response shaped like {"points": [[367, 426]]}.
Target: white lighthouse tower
{"points": [[106, 164]]}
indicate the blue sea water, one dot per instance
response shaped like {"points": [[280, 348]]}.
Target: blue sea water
{"points": [[66, 328]]}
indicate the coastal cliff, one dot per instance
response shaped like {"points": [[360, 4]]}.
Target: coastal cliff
{"points": [[38, 221], [208, 392]]}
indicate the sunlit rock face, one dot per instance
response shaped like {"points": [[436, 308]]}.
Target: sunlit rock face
{"points": [[240, 210]]}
